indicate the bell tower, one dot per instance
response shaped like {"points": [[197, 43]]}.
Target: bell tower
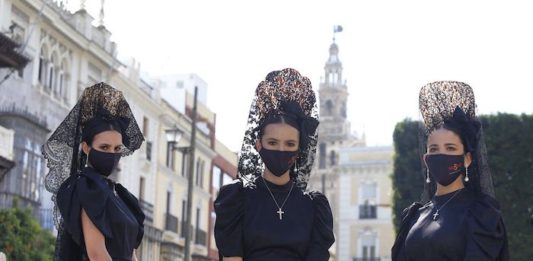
{"points": [[334, 128]]}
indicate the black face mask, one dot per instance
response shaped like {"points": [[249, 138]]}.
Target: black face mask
{"points": [[278, 162], [103, 162], [445, 168]]}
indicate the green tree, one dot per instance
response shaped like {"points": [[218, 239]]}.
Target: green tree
{"points": [[508, 138], [509, 141], [21, 237], [407, 169]]}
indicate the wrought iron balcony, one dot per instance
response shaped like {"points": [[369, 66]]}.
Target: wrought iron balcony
{"points": [[201, 237], [171, 223], [183, 231], [367, 211]]}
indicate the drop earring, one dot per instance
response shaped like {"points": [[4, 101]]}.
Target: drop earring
{"points": [[427, 176], [466, 178], [86, 159], [296, 166]]}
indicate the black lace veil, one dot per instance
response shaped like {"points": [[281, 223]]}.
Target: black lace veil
{"points": [[441, 101], [278, 89], [62, 150]]}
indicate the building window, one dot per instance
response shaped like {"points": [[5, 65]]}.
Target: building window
{"points": [[184, 163], [368, 206], [322, 156], [170, 155], [197, 219], [146, 126], [329, 108], [50, 78], [332, 158], [149, 150], [368, 249], [169, 198], [198, 171], [42, 68], [183, 218], [141, 188]]}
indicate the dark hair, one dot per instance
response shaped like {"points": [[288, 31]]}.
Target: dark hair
{"points": [[89, 134], [291, 113], [277, 118], [104, 121]]}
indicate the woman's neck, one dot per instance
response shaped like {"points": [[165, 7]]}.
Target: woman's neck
{"points": [[456, 185], [281, 180]]}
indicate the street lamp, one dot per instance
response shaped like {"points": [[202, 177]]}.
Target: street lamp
{"points": [[173, 136]]}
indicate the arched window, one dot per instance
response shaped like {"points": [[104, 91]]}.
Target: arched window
{"points": [[322, 156], [329, 107], [62, 80], [332, 158], [51, 79], [43, 65]]}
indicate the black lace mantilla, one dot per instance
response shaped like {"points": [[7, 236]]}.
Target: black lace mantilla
{"points": [[279, 87], [62, 150], [438, 101]]}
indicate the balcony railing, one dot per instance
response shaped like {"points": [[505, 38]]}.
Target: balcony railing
{"points": [[184, 229], [367, 211], [148, 210], [171, 223], [201, 237], [366, 259]]}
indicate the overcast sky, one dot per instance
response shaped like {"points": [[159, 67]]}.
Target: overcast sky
{"points": [[389, 49]]}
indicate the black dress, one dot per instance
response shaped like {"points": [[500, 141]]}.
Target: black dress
{"points": [[468, 227], [117, 216], [248, 225]]}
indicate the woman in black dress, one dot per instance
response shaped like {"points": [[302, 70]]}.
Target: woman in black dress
{"points": [[461, 219], [96, 218], [267, 214]]}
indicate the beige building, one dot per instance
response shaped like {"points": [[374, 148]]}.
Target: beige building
{"points": [[354, 177], [171, 185], [365, 230], [224, 172], [334, 133], [138, 171]]}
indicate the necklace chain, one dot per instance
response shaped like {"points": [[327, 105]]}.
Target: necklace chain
{"points": [[280, 212], [436, 215]]}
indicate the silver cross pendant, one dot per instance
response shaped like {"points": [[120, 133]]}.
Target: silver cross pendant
{"points": [[280, 212]]}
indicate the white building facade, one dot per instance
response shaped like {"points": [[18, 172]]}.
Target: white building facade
{"points": [[67, 53]]}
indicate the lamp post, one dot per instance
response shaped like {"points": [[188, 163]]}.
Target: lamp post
{"points": [[173, 136]]}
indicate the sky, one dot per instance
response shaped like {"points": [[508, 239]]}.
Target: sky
{"points": [[389, 50]]}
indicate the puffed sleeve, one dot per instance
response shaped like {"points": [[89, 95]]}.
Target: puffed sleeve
{"points": [[133, 204], [82, 191], [229, 209], [397, 251], [322, 235], [486, 235]]}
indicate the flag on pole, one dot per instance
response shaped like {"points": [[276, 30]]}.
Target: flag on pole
{"points": [[337, 28]]}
